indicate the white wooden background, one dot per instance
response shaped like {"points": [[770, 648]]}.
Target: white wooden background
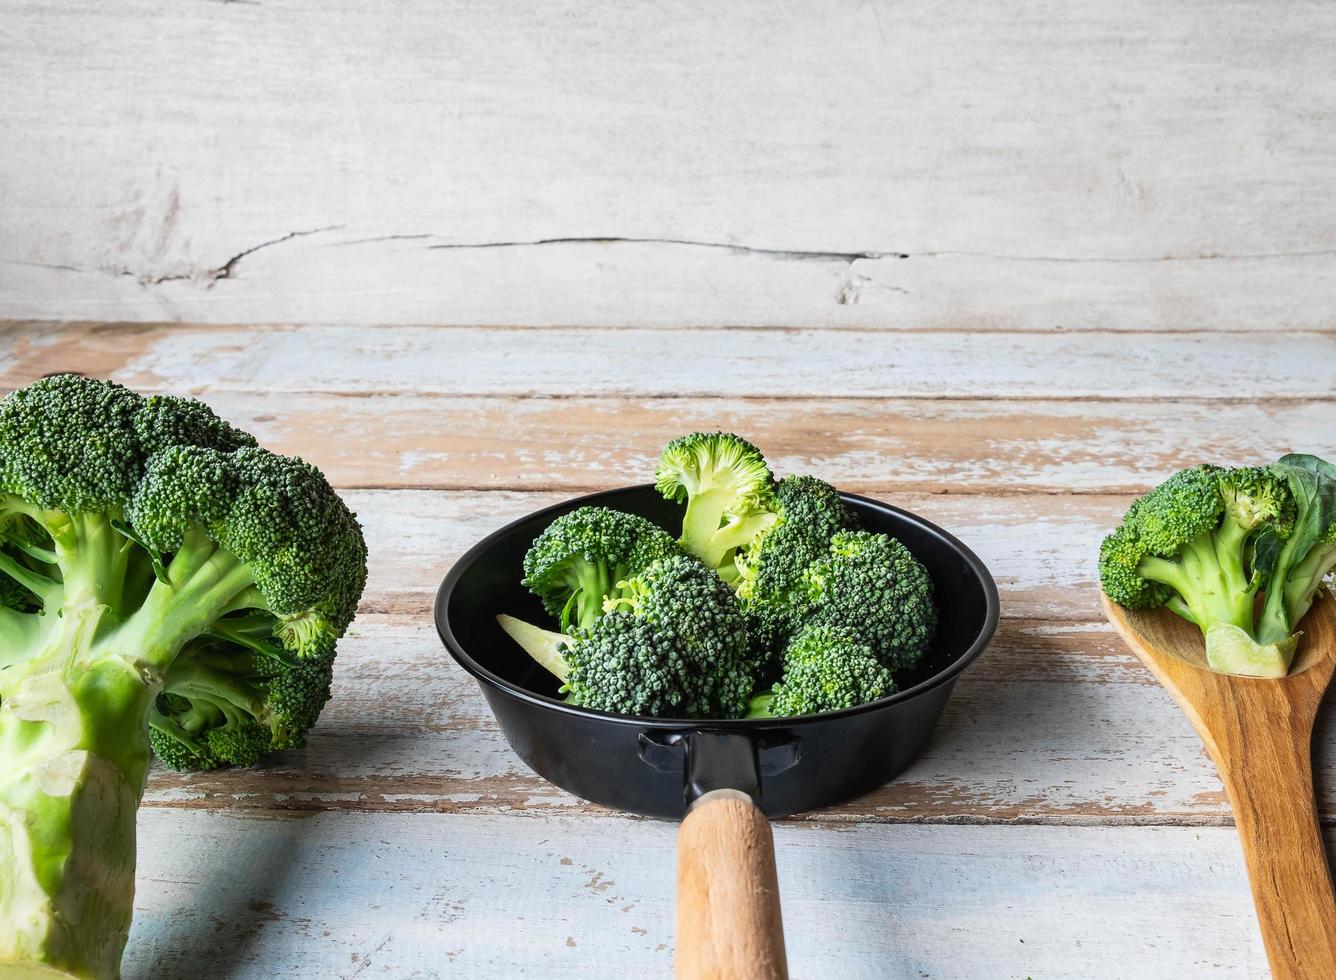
{"points": [[1004, 264]]}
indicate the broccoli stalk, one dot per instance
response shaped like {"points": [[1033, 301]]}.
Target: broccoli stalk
{"points": [[544, 646], [183, 593]]}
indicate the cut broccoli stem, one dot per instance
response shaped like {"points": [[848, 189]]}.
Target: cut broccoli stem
{"points": [[759, 705], [75, 755], [544, 646]]}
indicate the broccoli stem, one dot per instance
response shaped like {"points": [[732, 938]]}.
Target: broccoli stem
{"points": [[75, 753], [544, 646], [1209, 578], [203, 583], [759, 705], [1285, 606]]}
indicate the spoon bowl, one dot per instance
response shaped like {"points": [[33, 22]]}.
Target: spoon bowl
{"points": [[1259, 733]]}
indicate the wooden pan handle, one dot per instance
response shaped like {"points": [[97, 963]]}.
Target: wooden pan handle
{"points": [[1269, 777], [728, 921]]}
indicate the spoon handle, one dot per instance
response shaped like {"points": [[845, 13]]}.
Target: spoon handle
{"points": [[1267, 772]]}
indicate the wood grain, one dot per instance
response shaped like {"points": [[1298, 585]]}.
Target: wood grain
{"points": [[777, 364], [500, 896], [1055, 724], [936, 446], [1259, 734], [1108, 163], [729, 925]]}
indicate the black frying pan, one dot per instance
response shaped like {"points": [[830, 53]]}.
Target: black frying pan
{"points": [[728, 909]]}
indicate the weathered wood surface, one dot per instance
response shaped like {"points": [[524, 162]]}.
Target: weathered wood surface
{"points": [[1129, 164], [929, 446], [1057, 725], [427, 895], [763, 363]]}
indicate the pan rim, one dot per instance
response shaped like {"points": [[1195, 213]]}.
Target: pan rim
{"points": [[485, 676]]}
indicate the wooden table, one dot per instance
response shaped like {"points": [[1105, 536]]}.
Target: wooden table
{"points": [[1003, 266]]}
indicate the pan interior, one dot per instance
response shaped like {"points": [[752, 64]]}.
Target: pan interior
{"points": [[488, 582]]}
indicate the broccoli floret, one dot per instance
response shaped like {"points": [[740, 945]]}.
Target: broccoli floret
{"points": [[872, 584], [771, 566], [580, 557], [1188, 545], [672, 644], [1293, 558], [826, 668], [177, 587], [728, 491]]}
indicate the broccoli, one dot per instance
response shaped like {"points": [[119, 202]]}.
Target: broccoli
{"points": [[580, 557], [671, 644], [728, 491], [1294, 559], [1189, 544], [167, 584], [826, 668], [872, 584], [771, 566]]}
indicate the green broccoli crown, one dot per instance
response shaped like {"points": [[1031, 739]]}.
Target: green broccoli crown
{"points": [[728, 490], [223, 706], [80, 445], [1254, 496], [580, 557], [810, 513], [275, 514], [828, 668], [1120, 557], [227, 571], [673, 645], [1180, 509], [872, 584], [714, 462], [771, 567]]}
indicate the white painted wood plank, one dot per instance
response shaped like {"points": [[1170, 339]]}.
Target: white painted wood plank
{"points": [[431, 895], [1055, 725], [646, 362], [1100, 164], [858, 444]]}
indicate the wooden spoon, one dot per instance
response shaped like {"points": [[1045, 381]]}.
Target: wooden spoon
{"points": [[1259, 733]]}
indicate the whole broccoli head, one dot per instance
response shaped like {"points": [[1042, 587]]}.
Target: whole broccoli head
{"points": [[825, 668], [1189, 545], [673, 644], [871, 584], [580, 558], [772, 566], [728, 491], [165, 582]]}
